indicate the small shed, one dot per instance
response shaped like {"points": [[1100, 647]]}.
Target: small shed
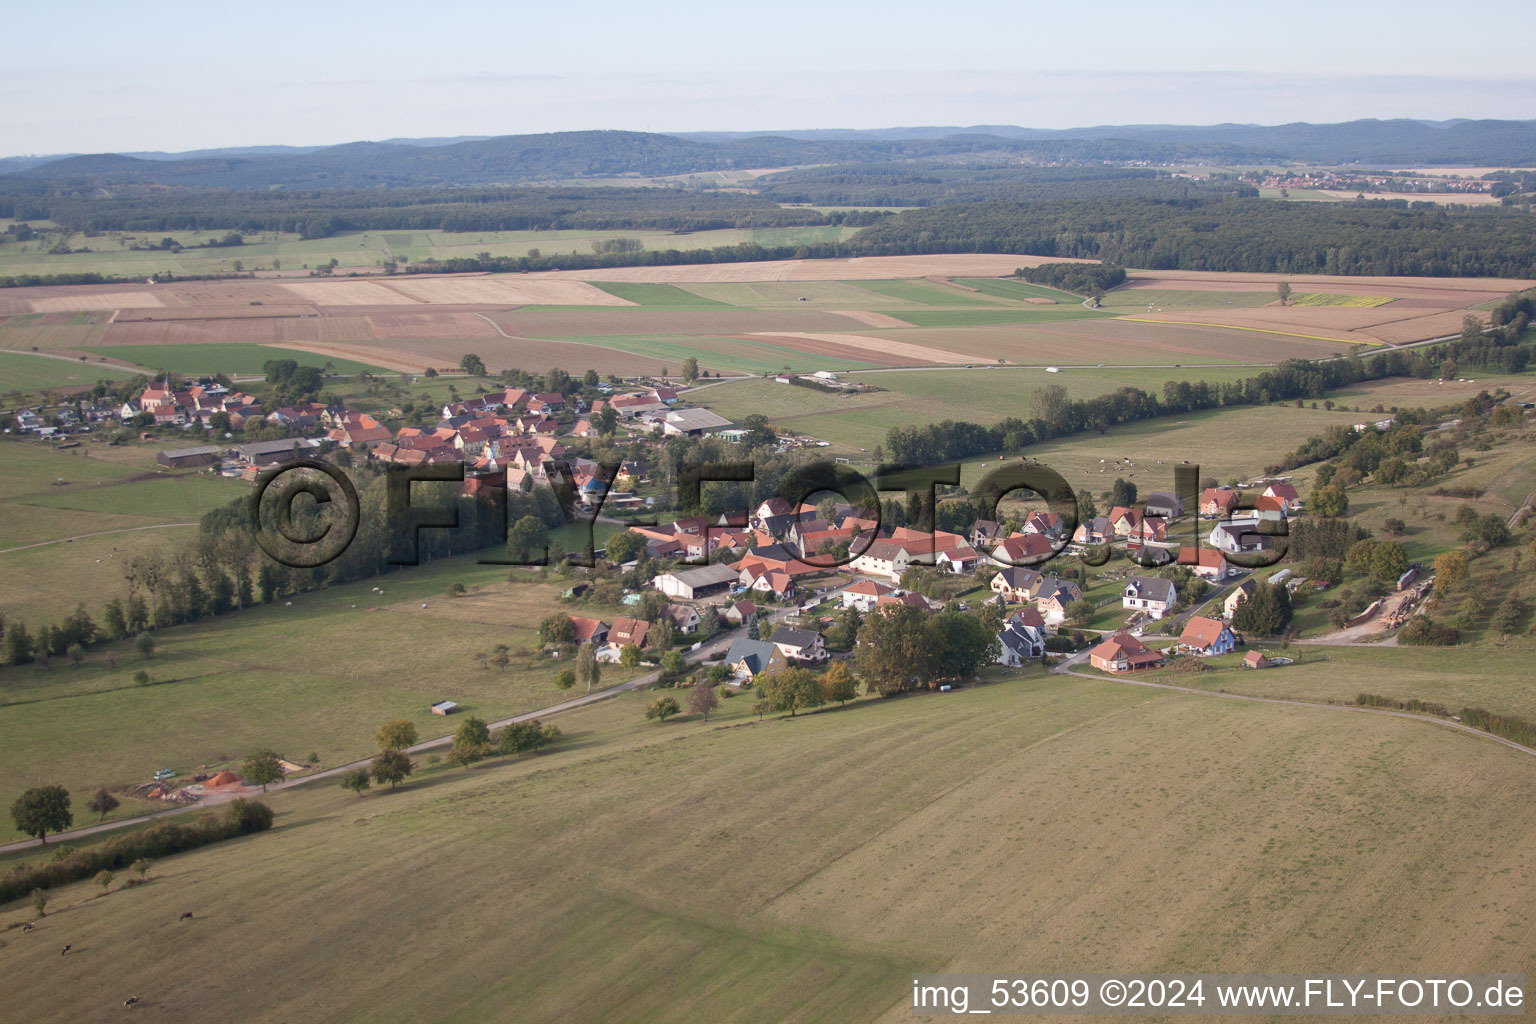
{"points": [[444, 707], [1255, 659]]}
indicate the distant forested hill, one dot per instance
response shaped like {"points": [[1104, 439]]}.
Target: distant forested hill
{"points": [[559, 156]]}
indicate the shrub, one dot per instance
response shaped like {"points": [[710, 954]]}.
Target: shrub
{"points": [[240, 817], [1422, 632]]}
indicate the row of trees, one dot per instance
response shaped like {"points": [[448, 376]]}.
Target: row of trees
{"points": [[1053, 413]]}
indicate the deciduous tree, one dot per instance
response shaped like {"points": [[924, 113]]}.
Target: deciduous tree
{"points": [[263, 768], [392, 766], [662, 708], [396, 734], [103, 803], [42, 809], [703, 699]]}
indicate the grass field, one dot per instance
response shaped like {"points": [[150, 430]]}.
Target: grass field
{"points": [[297, 677], [355, 248], [229, 359], [672, 873], [664, 295], [1496, 678], [1022, 291], [984, 396], [735, 355], [103, 506], [926, 293], [22, 372]]}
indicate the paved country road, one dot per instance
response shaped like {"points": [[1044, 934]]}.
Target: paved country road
{"points": [[719, 643]]}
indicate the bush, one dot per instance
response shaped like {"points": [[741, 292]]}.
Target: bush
{"points": [[1422, 632], [240, 817]]}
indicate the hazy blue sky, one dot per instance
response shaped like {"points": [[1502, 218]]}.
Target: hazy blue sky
{"points": [[91, 76]]}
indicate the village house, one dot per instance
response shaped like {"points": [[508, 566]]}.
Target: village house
{"points": [[864, 594], [1286, 494], [986, 532], [589, 631], [1052, 598], [1123, 653], [960, 560], [1022, 549], [747, 659], [1240, 593], [1205, 563], [740, 613], [1217, 502], [628, 631], [1016, 583], [684, 618], [1151, 594], [1206, 637], [799, 644], [1164, 504], [1093, 531], [1019, 644], [1235, 536], [887, 558]]}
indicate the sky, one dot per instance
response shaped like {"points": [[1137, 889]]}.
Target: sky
{"points": [[89, 76]]}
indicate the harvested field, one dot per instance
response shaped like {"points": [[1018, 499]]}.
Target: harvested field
{"points": [[213, 312], [1113, 341], [1389, 324], [569, 323], [94, 300], [257, 330], [55, 336], [864, 316], [744, 354], [516, 352], [240, 293], [1241, 324], [430, 325], [821, 295], [882, 348], [506, 290], [236, 358], [1451, 291], [349, 293], [869, 268], [365, 354]]}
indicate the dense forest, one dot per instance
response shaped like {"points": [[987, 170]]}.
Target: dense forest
{"points": [[1229, 234], [320, 213]]}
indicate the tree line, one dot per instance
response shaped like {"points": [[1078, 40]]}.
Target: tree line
{"points": [[1053, 414]]}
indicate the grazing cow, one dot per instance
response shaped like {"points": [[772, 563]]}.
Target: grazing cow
{"points": [[187, 916], [28, 926], [65, 950], [130, 1001]]}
